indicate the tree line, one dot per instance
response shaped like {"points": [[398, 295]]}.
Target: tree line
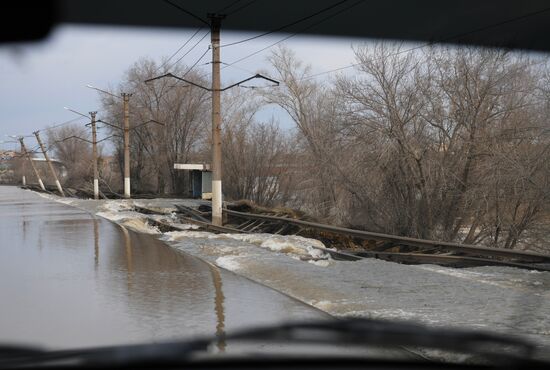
{"points": [[441, 143]]}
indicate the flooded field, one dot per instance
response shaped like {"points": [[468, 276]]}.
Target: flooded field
{"points": [[71, 279]]}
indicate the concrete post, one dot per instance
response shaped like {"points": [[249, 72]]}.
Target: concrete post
{"points": [[24, 150], [94, 155], [216, 123], [50, 165]]}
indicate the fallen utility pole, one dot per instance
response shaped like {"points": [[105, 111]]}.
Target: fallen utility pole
{"points": [[24, 150], [94, 155], [216, 121], [50, 165], [126, 98]]}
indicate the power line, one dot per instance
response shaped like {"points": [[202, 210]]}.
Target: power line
{"points": [[188, 51], [228, 6], [65, 123], [241, 7], [294, 34], [239, 68], [187, 12], [287, 25], [339, 69], [232, 64], [181, 47], [481, 29], [198, 60]]}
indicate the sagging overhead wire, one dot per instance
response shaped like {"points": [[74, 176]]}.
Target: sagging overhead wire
{"points": [[177, 51], [186, 72], [241, 7], [197, 62], [431, 43], [187, 12], [64, 123], [188, 51], [296, 33], [228, 6], [286, 25], [256, 76]]}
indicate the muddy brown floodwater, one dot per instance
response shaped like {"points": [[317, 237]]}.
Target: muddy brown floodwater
{"points": [[70, 279]]}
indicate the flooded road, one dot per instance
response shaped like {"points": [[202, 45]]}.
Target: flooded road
{"points": [[71, 279]]}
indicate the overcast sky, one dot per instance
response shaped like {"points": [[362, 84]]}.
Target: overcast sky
{"points": [[39, 79]]}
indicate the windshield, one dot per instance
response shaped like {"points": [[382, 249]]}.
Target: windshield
{"points": [[163, 184]]}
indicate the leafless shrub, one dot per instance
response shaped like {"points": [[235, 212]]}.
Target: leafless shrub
{"points": [[64, 144], [444, 144]]}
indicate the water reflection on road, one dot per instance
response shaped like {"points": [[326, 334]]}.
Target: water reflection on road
{"points": [[68, 279]]}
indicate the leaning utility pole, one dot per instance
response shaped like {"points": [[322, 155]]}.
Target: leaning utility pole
{"points": [[52, 170], [94, 155], [126, 98], [24, 150], [216, 121]]}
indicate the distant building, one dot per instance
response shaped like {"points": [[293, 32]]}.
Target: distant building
{"points": [[7, 154], [60, 168], [7, 166]]}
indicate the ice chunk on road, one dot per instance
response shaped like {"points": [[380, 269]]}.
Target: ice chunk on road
{"points": [[174, 236], [289, 244], [121, 212], [228, 263], [115, 206], [295, 246]]}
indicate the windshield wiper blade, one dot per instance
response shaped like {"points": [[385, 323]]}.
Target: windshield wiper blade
{"points": [[357, 332], [9, 350], [155, 353], [383, 333]]}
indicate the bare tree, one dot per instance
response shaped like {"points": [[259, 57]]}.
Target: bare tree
{"points": [[183, 112], [418, 143], [256, 162], [75, 154], [313, 108]]}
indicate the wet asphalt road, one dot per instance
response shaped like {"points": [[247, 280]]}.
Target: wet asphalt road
{"points": [[70, 279]]}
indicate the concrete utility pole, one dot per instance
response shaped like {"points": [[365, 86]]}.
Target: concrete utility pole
{"points": [[23, 168], [50, 165], [216, 121], [94, 155], [126, 98], [24, 150], [215, 25]]}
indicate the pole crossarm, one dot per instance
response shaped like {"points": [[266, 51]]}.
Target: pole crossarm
{"points": [[76, 112], [110, 124], [81, 138], [257, 75], [71, 137], [133, 128], [178, 78], [103, 91], [146, 123]]}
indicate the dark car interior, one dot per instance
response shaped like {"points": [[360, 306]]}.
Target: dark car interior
{"points": [[520, 25]]}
